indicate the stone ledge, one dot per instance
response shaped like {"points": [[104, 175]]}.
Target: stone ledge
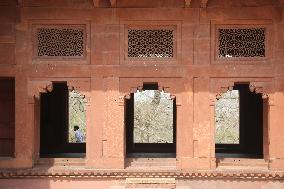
{"points": [[102, 174], [150, 182]]}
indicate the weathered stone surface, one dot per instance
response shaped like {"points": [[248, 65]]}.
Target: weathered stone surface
{"points": [[194, 76]]}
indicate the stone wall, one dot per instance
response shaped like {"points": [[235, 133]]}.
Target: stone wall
{"points": [[106, 76]]}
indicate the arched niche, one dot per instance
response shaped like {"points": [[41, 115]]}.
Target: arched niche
{"points": [[264, 87], [150, 121], [38, 86]]}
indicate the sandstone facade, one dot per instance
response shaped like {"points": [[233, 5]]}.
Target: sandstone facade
{"points": [[106, 75]]}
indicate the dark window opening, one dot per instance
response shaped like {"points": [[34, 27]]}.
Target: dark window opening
{"points": [[150, 123], [54, 126], [244, 138], [7, 117]]}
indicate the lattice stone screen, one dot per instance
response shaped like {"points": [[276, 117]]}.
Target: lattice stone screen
{"points": [[247, 42], [60, 42], [77, 115], [227, 129], [153, 117], [150, 43]]}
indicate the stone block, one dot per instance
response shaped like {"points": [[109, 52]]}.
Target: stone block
{"points": [[54, 3], [188, 31], [106, 42], [7, 30], [8, 3], [280, 36], [202, 32], [7, 53], [187, 51], [7, 14], [150, 3]]}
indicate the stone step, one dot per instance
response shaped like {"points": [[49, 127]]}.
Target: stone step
{"points": [[151, 163], [243, 163], [60, 162]]}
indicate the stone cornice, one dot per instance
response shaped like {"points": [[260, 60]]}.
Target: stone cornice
{"points": [[95, 174]]}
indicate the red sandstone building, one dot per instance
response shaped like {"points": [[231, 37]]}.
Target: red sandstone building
{"points": [[85, 62]]}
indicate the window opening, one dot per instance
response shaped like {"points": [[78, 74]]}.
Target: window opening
{"points": [[7, 117], [150, 118], [54, 120], [76, 117], [239, 123], [227, 122]]}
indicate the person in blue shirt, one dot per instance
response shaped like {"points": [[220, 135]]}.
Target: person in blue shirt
{"points": [[78, 134]]}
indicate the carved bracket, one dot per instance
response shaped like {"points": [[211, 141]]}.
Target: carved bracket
{"points": [[97, 3], [203, 3], [80, 87], [164, 84], [113, 3], [187, 3], [219, 87], [37, 87], [121, 100], [257, 89], [140, 89]]}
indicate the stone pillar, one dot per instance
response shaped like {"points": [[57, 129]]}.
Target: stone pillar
{"points": [[107, 143]]}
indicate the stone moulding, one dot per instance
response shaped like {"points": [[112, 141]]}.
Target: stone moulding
{"points": [[95, 174]]}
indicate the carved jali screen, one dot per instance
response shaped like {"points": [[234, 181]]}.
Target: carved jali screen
{"points": [[153, 117], [60, 42], [247, 42], [77, 115], [152, 43], [227, 126]]}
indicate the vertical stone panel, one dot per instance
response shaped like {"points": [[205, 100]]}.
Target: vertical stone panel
{"points": [[202, 130], [106, 44], [97, 122], [24, 132], [187, 43], [276, 131]]}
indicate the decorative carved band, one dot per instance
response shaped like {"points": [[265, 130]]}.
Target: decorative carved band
{"points": [[94, 174]]}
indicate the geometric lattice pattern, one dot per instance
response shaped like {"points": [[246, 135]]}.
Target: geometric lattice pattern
{"points": [[153, 117], [66, 42], [248, 42], [77, 115], [152, 43]]}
